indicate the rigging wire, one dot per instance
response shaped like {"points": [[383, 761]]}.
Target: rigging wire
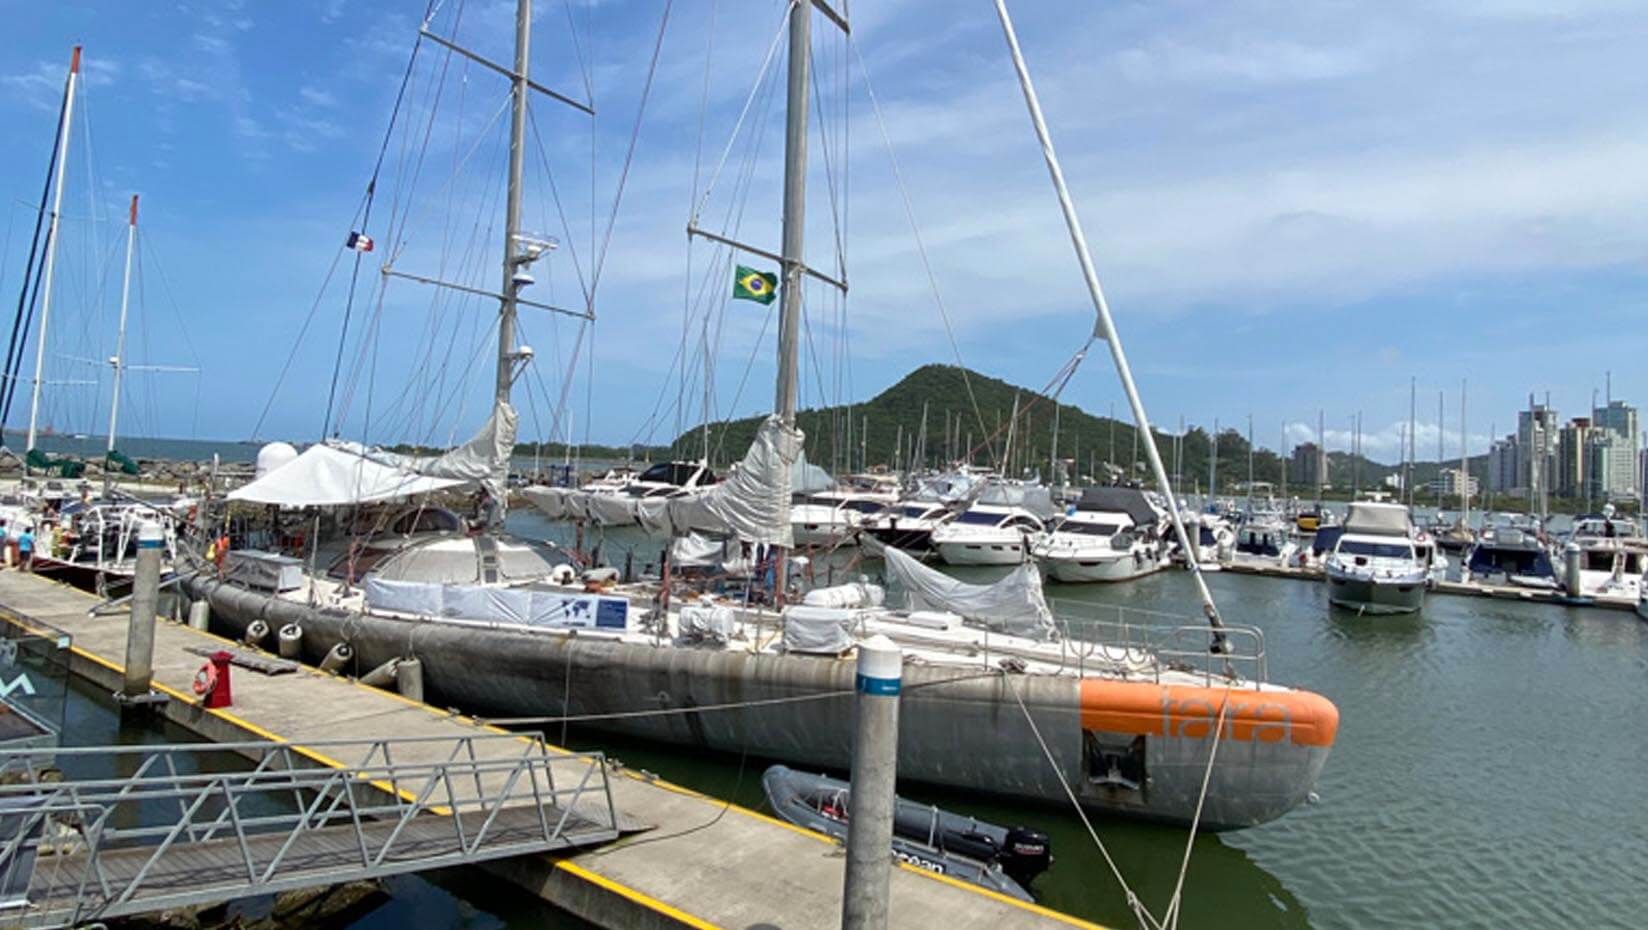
{"points": [[366, 220], [921, 246], [20, 325]]}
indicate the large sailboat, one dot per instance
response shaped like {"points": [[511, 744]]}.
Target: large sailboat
{"points": [[1000, 695]]}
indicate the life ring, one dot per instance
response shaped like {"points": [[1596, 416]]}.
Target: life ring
{"points": [[206, 679]]}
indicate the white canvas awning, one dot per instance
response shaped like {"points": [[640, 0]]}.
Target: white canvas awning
{"points": [[326, 476], [334, 473]]}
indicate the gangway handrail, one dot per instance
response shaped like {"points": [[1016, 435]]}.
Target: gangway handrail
{"points": [[126, 852]]}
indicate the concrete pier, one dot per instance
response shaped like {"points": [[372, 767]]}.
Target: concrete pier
{"points": [[705, 863]]}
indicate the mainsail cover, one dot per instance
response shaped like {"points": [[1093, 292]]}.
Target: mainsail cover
{"points": [[335, 474], [1014, 604], [752, 504]]}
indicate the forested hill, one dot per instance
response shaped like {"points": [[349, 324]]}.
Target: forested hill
{"points": [[1091, 441]]}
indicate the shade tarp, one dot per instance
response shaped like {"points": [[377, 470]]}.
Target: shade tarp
{"points": [[1035, 498], [335, 474], [1378, 519], [327, 476], [1014, 604], [752, 504]]}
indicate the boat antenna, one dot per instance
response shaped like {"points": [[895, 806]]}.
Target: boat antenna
{"points": [[1104, 328]]}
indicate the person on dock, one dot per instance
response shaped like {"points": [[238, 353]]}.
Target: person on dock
{"points": [[25, 549]]}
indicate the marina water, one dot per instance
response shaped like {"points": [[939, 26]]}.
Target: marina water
{"points": [[1491, 769]]}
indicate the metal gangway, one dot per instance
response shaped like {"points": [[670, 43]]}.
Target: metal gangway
{"points": [[167, 832]]}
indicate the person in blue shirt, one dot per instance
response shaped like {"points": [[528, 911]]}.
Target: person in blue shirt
{"points": [[25, 549]]}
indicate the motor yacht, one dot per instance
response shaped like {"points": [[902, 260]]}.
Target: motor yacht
{"points": [[1510, 550], [988, 534], [1375, 566], [1609, 554], [1110, 534]]}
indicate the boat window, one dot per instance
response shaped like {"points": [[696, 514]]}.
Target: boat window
{"points": [[1089, 529], [917, 512], [980, 519], [1375, 550], [865, 506]]}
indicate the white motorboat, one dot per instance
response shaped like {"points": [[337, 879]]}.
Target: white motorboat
{"points": [[1111, 534], [1374, 567], [831, 518], [1605, 555], [988, 534], [909, 525]]}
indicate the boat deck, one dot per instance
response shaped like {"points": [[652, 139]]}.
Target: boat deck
{"points": [[705, 864]]}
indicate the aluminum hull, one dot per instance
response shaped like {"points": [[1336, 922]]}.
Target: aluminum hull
{"points": [[959, 730]]}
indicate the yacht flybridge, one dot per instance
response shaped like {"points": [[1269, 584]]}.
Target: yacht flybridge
{"points": [[1130, 712]]}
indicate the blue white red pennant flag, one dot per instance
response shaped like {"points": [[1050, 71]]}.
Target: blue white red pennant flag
{"points": [[360, 242]]}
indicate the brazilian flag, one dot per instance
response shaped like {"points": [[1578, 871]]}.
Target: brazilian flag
{"points": [[749, 284]]}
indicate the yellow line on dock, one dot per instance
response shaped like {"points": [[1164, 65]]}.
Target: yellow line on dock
{"points": [[641, 898]]}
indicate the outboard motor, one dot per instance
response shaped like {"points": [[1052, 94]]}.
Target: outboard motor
{"points": [[1026, 854]]}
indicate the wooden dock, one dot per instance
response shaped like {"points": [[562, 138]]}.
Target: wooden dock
{"points": [[705, 863]]}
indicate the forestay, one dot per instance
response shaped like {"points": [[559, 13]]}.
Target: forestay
{"points": [[1014, 604]]}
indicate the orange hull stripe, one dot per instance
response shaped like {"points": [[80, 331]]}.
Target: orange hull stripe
{"points": [[1300, 717]]}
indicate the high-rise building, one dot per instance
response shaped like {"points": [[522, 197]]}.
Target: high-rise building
{"points": [[1503, 459], [1308, 465], [1611, 467], [1536, 447], [1572, 445], [1621, 478]]}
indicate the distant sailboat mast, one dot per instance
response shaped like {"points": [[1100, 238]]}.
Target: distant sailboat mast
{"points": [[51, 245], [118, 362]]}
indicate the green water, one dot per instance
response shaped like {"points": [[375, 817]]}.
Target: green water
{"points": [[1491, 770]]}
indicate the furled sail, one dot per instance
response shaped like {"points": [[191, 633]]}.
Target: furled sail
{"points": [[1014, 604], [335, 474], [752, 504]]}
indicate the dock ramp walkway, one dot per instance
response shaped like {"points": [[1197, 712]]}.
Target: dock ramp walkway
{"points": [[167, 832]]}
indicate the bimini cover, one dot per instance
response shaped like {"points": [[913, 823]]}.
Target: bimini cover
{"points": [[1032, 497], [1015, 604], [1376, 519], [947, 489], [752, 504], [1130, 501], [334, 474]]}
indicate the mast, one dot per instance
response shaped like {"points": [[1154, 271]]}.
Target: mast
{"points": [[515, 275], [1212, 465], [1464, 462], [1411, 450], [1250, 464], [1440, 452], [51, 243], [119, 360], [1321, 452], [795, 208], [1104, 328]]}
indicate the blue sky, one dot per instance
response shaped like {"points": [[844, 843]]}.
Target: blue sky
{"points": [[1292, 207]]}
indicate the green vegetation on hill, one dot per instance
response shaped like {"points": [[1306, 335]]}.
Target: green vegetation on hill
{"points": [[1090, 441]]}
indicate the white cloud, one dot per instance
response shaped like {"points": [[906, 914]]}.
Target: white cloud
{"points": [[319, 96]]}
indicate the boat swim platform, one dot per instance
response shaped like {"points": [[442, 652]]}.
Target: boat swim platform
{"points": [[1451, 588], [704, 863]]}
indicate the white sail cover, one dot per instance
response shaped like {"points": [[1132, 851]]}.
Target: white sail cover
{"points": [[752, 504], [1014, 604], [335, 474]]}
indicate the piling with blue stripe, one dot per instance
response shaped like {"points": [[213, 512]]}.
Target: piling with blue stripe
{"points": [[875, 775]]}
